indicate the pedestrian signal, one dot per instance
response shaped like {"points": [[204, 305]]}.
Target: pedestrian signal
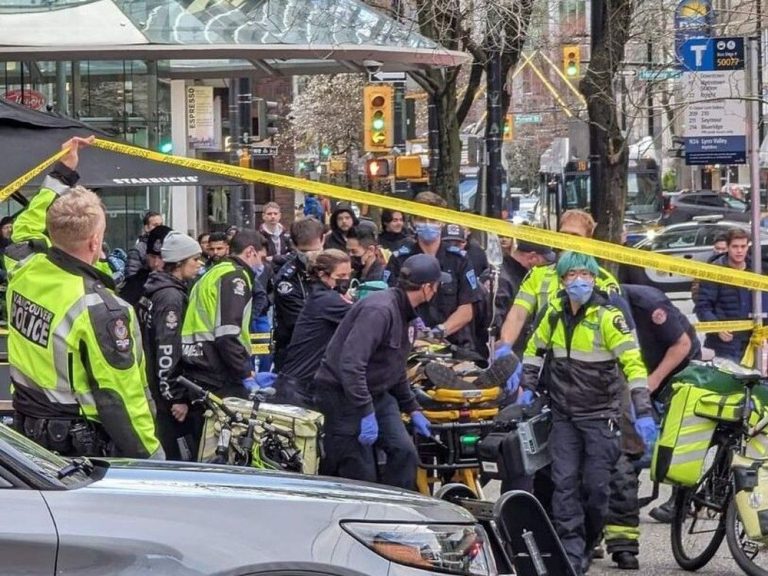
{"points": [[378, 118], [377, 168], [572, 61]]}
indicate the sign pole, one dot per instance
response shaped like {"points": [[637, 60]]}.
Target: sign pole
{"points": [[753, 133]]}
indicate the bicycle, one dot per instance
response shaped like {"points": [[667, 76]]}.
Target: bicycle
{"points": [[708, 509], [249, 442]]}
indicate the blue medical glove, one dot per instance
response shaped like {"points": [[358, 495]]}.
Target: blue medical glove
{"points": [[501, 351], [646, 429], [514, 381], [421, 424], [525, 398], [369, 430], [260, 380]]}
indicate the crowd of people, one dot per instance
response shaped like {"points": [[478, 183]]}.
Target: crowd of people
{"points": [[97, 340]]}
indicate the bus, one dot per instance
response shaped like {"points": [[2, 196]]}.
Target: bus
{"points": [[569, 188]]}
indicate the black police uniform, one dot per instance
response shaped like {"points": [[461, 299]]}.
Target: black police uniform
{"points": [[659, 325], [160, 312], [511, 276], [463, 288], [323, 312], [363, 371], [290, 290]]}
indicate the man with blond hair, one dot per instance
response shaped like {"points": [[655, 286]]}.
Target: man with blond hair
{"points": [[74, 348]]}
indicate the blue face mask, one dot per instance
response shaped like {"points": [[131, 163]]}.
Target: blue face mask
{"points": [[580, 290], [428, 232]]}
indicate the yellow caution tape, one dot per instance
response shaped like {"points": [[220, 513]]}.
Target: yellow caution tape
{"points": [[19, 182], [596, 248], [724, 326]]}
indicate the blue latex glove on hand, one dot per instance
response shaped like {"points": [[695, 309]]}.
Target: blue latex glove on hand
{"points": [[501, 351], [513, 382], [525, 398], [421, 424], [646, 429], [260, 380], [369, 430]]}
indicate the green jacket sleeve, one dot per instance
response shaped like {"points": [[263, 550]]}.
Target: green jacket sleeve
{"points": [[30, 224]]}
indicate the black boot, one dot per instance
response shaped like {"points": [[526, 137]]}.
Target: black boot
{"points": [[665, 512], [626, 561]]}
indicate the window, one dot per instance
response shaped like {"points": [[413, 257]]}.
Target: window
{"points": [[710, 200], [734, 203], [676, 239]]}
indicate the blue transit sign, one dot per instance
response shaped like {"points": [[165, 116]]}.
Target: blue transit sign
{"points": [[712, 54]]}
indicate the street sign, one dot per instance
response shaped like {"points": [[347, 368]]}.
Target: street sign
{"points": [[527, 118], [390, 77], [650, 75], [263, 150], [693, 19], [714, 81]]}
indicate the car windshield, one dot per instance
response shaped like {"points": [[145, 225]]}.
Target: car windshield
{"points": [[44, 462]]}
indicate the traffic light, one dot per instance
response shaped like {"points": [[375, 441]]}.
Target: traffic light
{"points": [[572, 61], [265, 123], [165, 146], [378, 118], [509, 128], [377, 168]]}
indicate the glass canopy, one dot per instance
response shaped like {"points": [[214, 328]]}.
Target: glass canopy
{"points": [[275, 33]]}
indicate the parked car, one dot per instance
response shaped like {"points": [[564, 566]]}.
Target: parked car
{"points": [[683, 207], [99, 517], [690, 240]]}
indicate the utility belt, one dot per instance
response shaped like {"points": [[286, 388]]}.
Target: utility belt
{"points": [[67, 436]]}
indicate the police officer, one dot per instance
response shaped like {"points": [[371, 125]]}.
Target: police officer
{"points": [[76, 364], [362, 385], [581, 342], [291, 283], [668, 343], [323, 311], [216, 343], [450, 313], [161, 311]]}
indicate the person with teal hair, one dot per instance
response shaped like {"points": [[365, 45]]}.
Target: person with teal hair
{"points": [[581, 343]]}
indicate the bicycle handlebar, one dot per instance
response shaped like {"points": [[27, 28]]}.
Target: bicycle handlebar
{"points": [[209, 398]]}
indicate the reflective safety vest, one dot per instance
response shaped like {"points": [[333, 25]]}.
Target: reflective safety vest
{"points": [[75, 346], [219, 308], [541, 285]]}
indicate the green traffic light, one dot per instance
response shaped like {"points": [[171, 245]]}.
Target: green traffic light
{"points": [[378, 124], [572, 70], [166, 147], [326, 151]]}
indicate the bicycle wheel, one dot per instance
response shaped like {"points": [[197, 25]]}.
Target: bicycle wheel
{"points": [[698, 526], [751, 556]]}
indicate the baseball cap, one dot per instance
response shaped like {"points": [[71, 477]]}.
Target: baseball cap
{"points": [[453, 232], [545, 251], [155, 239], [177, 247], [423, 269]]}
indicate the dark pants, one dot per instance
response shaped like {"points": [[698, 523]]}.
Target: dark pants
{"points": [[345, 457], [173, 433], [622, 526], [584, 453]]}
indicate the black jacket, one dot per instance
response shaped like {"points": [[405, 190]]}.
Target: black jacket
{"points": [[133, 289], [290, 288], [392, 241], [278, 244], [338, 239], [368, 353], [161, 315], [322, 313]]}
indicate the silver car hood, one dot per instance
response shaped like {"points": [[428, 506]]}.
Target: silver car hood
{"points": [[237, 483]]}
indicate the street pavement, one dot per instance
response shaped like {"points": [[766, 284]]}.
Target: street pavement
{"points": [[655, 550]]}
